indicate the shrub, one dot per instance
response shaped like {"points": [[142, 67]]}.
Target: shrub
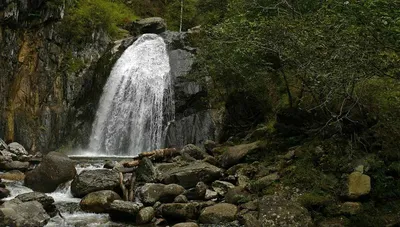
{"points": [[87, 16]]}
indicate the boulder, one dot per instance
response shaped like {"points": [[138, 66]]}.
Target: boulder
{"points": [[45, 200], [155, 25], [28, 214], [6, 156], [350, 208], [4, 193], [209, 145], [14, 175], [222, 187], [146, 171], [193, 151], [124, 210], [237, 195], [210, 194], [145, 215], [198, 192], [249, 219], [3, 145], [263, 182], [233, 155], [181, 199], [358, 185], [219, 213], [98, 202], [94, 180], [186, 224], [150, 193], [277, 211], [55, 169], [109, 165], [17, 149], [14, 165], [180, 211], [189, 175]]}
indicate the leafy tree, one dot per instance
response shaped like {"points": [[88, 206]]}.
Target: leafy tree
{"points": [[314, 55]]}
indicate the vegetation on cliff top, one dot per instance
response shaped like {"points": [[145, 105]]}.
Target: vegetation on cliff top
{"points": [[85, 17]]}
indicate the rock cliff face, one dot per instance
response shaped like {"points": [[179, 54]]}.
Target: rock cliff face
{"points": [[44, 77], [50, 87]]}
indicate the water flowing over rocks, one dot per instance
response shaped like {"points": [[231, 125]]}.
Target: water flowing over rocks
{"points": [[46, 201], [55, 169]]}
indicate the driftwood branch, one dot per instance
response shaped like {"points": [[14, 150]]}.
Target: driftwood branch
{"points": [[132, 186], [122, 185], [129, 193]]}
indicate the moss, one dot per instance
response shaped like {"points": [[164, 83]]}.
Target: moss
{"points": [[394, 168], [73, 64], [314, 200], [87, 16]]}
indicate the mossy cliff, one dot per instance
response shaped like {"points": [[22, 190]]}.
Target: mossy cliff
{"points": [[45, 73]]}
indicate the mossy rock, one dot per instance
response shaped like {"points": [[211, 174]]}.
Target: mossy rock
{"points": [[314, 200]]}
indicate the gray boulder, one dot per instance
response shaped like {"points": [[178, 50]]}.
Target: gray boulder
{"points": [[55, 169], [237, 195], [145, 215], [4, 193], [28, 214], [154, 25], [17, 149], [198, 192], [222, 187], [124, 210], [189, 175], [151, 193], [193, 151], [94, 180], [186, 224], [180, 211], [6, 156], [14, 165], [219, 213], [277, 211], [98, 202], [235, 154], [146, 171], [45, 200]]}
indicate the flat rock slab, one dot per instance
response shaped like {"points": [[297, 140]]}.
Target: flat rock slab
{"points": [[189, 175]]}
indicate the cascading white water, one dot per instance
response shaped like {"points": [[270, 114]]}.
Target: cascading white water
{"points": [[129, 119]]}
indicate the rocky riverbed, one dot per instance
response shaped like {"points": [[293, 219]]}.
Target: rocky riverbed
{"points": [[212, 185]]}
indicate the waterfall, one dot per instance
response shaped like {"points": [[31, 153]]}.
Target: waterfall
{"points": [[130, 116]]}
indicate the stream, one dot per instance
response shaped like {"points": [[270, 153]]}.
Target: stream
{"points": [[72, 215]]}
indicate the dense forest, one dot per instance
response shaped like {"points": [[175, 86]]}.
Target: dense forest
{"points": [[314, 84]]}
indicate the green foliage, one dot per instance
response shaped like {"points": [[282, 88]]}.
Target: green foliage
{"points": [[174, 12], [87, 16], [313, 55]]}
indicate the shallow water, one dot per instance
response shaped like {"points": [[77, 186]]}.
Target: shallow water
{"points": [[68, 206]]}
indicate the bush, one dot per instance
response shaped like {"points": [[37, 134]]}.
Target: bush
{"points": [[87, 16]]}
